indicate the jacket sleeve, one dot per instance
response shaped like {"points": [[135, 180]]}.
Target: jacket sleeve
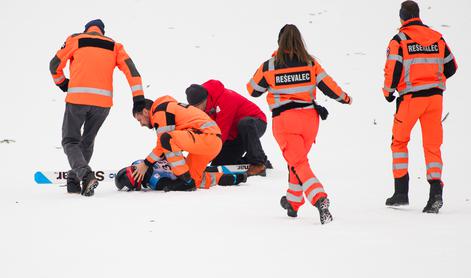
{"points": [[328, 86], [258, 85], [450, 66], [126, 65], [59, 61], [159, 120], [393, 68]]}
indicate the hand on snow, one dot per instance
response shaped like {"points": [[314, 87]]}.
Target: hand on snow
{"points": [[140, 172]]}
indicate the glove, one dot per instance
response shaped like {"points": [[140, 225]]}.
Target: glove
{"points": [[321, 110], [390, 98], [349, 100], [64, 86]]}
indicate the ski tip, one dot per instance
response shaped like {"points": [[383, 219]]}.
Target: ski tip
{"points": [[40, 178]]}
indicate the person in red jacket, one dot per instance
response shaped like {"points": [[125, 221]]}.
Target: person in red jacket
{"points": [[242, 123]]}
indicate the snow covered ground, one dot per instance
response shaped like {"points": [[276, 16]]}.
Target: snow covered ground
{"points": [[228, 232]]}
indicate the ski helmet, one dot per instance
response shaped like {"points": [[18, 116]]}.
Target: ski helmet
{"points": [[124, 178]]}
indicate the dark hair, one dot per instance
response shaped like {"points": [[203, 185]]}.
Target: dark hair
{"points": [[409, 9], [147, 105], [291, 45]]}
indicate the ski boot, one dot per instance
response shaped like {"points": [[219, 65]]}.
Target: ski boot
{"points": [[323, 206], [232, 179], [287, 206], [73, 183], [401, 190], [89, 183], [435, 201]]}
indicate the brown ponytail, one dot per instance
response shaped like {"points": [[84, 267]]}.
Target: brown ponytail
{"points": [[291, 45]]}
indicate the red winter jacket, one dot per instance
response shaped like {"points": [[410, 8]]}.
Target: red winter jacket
{"points": [[227, 108]]}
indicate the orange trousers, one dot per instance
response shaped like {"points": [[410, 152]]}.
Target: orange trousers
{"points": [[296, 131], [428, 110], [201, 148]]}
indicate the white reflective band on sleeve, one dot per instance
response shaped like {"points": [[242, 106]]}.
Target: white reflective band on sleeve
{"points": [[340, 98], [293, 90], [395, 57], [166, 128], [309, 182], [173, 154], [271, 64], [402, 36], [208, 124], [59, 79], [136, 88], [434, 176], [90, 91], [400, 166], [434, 165], [293, 198], [257, 87], [387, 89], [314, 192], [177, 163], [295, 187], [320, 76], [154, 157], [400, 155], [448, 59]]}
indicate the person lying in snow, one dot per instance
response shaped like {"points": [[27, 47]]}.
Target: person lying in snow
{"points": [[160, 177]]}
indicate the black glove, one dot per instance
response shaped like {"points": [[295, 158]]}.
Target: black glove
{"points": [[64, 86], [321, 110], [180, 185], [390, 98]]}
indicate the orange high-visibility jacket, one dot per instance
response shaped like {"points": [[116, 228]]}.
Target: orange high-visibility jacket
{"points": [[93, 58], [418, 61], [167, 115], [294, 85]]}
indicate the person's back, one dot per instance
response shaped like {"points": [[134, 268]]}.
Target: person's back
{"points": [[93, 58], [417, 67]]}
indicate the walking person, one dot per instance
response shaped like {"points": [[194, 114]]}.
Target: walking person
{"points": [[418, 64], [291, 77], [241, 121], [92, 58]]}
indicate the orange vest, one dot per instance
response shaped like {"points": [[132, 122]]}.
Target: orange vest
{"points": [[93, 58], [294, 84]]}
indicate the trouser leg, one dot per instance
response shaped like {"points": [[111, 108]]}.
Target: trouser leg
{"points": [[231, 153], [250, 130], [95, 119], [74, 118]]}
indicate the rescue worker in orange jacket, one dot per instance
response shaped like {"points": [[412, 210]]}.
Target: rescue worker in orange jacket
{"points": [[291, 77], [417, 67], [181, 127], [92, 58]]}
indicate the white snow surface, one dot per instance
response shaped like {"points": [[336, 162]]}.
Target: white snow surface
{"points": [[240, 231]]}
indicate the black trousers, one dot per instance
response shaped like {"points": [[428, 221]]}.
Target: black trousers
{"points": [[250, 130], [78, 146]]}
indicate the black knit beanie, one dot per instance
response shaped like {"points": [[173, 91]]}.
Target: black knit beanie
{"points": [[195, 94]]}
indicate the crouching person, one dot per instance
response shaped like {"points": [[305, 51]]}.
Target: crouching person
{"points": [[160, 177], [180, 127]]}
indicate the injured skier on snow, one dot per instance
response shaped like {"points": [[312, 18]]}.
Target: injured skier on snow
{"points": [[160, 177]]}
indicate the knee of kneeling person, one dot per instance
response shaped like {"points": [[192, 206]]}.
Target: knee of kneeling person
{"points": [[246, 123]]}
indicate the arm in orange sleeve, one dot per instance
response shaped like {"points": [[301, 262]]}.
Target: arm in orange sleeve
{"points": [[328, 86], [58, 63], [158, 119], [258, 85], [126, 65], [392, 69]]}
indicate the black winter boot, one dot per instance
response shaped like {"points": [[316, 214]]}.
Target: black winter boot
{"points": [[323, 206], [184, 183], [401, 191], [287, 206], [73, 183], [89, 183], [232, 179], [435, 201]]}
